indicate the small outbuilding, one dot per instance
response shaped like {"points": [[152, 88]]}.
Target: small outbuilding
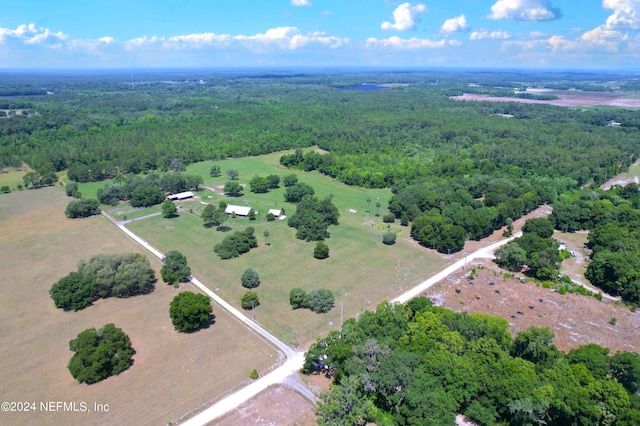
{"points": [[238, 210], [276, 213], [181, 196]]}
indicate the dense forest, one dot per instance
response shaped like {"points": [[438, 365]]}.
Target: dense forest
{"points": [[420, 365]]}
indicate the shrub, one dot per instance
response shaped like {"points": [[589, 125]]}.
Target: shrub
{"points": [[254, 374], [249, 300], [190, 311], [389, 218], [270, 217], [389, 238], [320, 300], [297, 298], [250, 278], [321, 251], [236, 244]]}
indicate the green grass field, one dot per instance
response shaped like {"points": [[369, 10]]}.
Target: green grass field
{"points": [[361, 271], [173, 373]]}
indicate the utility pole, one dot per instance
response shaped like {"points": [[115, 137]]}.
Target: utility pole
{"points": [[465, 259]]}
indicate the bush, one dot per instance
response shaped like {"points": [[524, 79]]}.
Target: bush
{"points": [[389, 218], [5, 189], [249, 300], [321, 251], [270, 217], [100, 354], [190, 311], [250, 278], [297, 298], [236, 244], [254, 374], [82, 208], [320, 300], [389, 238], [71, 189], [290, 180]]}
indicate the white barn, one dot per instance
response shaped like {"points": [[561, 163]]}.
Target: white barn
{"points": [[181, 196], [238, 210], [275, 212]]}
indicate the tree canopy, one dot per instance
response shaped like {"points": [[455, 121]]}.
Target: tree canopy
{"points": [[175, 268], [100, 354], [421, 364], [190, 311]]}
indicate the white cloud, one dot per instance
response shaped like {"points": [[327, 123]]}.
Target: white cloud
{"points": [[626, 14], [409, 44], [489, 35], [29, 34], [525, 10], [405, 17], [454, 25], [300, 2]]}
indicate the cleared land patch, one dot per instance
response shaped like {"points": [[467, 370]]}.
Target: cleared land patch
{"points": [[172, 374], [567, 99]]}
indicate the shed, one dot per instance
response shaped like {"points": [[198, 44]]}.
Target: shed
{"points": [[238, 210], [181, 196], [275, 212]]}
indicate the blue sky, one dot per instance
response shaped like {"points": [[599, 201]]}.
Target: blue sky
{"points": [[566, 34]]}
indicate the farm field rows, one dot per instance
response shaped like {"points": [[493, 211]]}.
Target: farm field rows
{"points": [[173, 373]]}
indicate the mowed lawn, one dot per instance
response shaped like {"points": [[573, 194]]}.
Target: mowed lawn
{"points": [[361, 271], [172, 374]]}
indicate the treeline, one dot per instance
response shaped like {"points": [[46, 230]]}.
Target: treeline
{"points": [[420, 364], [445, 212], [148, 190], [374, 138], [613, 217]]}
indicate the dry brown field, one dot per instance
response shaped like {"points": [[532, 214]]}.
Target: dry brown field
{"points": [[567, 99], [173, 373]]}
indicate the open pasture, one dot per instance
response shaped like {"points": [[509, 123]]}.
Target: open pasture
{"points": [[361, 271], [172, 374]]}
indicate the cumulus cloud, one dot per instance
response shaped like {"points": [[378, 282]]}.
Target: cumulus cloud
{"points": [[300, 2], [409, 44], [29, 34], [525, 10], [626, 14], [455, 25], [405, 17], [489, 35]]}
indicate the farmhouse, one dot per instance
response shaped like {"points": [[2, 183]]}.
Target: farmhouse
{"points": [[238, 210], [276, 213], [181, 196]]}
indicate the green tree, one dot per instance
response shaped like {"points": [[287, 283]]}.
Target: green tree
{"points": [[100, 354], [541, 226], [214, 171], [233, 174], [146, 196], [250, 278], [297, 298], [249, 300], [345, 404], [296, 192], [266, 238], [511, 256], [290, 180], [321, 251], [273, 181], [232, 189], [320, 300], [207, 215], [71, 189], [73, 292], [190, 312], [259, 184], [82, 208], [175, 268], [389, 238], [236, 244], [169, 209]]}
